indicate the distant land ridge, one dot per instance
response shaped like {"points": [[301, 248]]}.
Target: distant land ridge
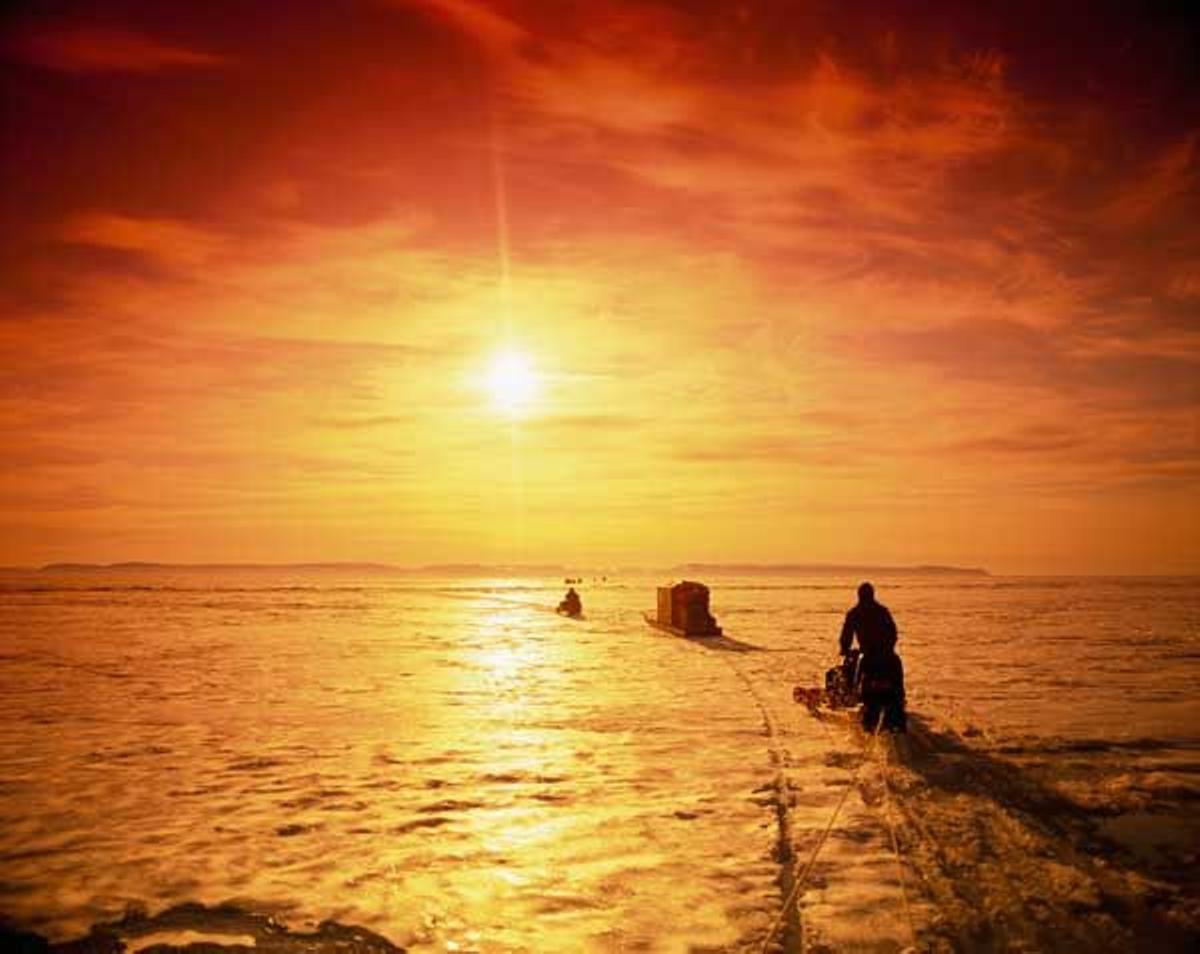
{"points": [[546, 569], [795, 569], [142, 565], [363, 567]]}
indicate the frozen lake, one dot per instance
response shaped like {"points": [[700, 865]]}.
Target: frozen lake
{"points": [[449, 764]]}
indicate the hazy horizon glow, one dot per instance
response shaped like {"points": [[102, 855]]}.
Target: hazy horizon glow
{"points": [[852, 283]]}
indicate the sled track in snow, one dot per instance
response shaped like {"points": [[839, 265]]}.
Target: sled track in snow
{"points": [[1001, 864], [788, 926], [989, 857], [793, 878], [789, 917]]}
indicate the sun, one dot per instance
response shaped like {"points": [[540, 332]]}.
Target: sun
{"points": [[512, 383]]}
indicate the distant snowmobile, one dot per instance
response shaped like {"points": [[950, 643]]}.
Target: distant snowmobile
{"points": [[571, 604]]}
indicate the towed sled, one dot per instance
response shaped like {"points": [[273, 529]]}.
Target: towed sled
{"points": [[876, 684], [696, 632]]}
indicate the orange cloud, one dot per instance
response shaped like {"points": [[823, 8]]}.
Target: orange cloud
{"points": [[478, 20], [172, 242], [87, 49], [1169, 176]]}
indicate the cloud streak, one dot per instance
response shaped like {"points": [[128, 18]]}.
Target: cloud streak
{"points": [[91, 49]]}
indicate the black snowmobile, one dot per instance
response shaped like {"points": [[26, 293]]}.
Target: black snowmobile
{"points": [[876, 683], [570, 605]]}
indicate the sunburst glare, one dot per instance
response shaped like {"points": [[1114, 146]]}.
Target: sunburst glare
{"points": [[512, 383]]}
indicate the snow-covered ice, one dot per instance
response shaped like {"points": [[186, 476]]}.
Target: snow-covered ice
{"points": [[449, 765]]}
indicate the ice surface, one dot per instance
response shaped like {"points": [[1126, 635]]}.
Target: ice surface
{"points": [[450, 765]]}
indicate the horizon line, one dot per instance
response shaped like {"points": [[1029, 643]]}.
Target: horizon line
{"points": [[749, 568], [556, 567]]}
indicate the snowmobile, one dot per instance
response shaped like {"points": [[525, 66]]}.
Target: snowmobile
{"points": [[570, 605], [877, 684]]}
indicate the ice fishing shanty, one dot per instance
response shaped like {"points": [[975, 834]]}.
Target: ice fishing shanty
{"points": [[683, 609]]}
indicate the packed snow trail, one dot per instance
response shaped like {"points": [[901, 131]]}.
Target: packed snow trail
{"points": [[789, 926], [789, 931], [946, 847]]}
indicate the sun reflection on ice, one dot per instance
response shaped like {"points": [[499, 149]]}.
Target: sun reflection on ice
{"points": [[503, 664], [506, 663]]}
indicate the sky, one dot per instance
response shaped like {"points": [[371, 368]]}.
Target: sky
{"points": [[433, 281]]}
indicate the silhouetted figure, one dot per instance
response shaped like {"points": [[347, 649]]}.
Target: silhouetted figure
{"points": [[571, 604], [880, 675]]}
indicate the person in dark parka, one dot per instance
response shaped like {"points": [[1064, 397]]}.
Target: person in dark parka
{"points": [[880, 672]]}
